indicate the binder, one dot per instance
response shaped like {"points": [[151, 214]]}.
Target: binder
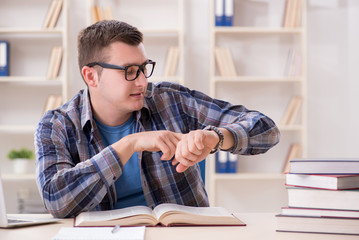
{"points": [[228, 13], [219, 13], [4, 58], [221, 161], [232, 163]]}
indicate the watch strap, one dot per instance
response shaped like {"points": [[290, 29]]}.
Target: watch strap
{"points": [[220, 136]]}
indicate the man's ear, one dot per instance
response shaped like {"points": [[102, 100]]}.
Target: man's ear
{"points": [[90, 76]]}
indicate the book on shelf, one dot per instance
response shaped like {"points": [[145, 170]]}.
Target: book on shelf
{"points": [[319, 212], [166, 214], [55, 62], [293, 64], [316, 224], [323, 198], [171, 63], [295, 151], [224, 61], [4, 58], [221, 161], [223, 13], [325, 165], [226, 162], [53, 14], [292, 111], [292, 13], [232, 163], [52, 102], [323, 181], [228, 12], [99, 14], [219, 13]]}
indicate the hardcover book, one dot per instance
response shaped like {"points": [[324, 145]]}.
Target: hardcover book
{"points": [[319, 212], [333, 182], [311, 224], [325, 166], [166, 214], [324, 199]]}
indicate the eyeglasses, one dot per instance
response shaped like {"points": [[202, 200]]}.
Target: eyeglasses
{"points": [[131, 71]]}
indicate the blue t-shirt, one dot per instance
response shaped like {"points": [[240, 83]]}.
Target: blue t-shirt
{"points": [[128, 185]]}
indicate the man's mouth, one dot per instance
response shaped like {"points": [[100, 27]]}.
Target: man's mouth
{"points": [[136, 94]]}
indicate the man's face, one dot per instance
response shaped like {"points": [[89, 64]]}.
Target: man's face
{"points": [[114, 90]]}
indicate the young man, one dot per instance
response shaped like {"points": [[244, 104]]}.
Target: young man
{"points": [[123, 141]]}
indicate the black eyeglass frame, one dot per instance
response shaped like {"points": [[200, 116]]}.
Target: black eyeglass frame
{"points": [[141, 68]]}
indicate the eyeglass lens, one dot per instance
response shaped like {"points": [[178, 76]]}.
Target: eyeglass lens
{"points": [[132, 72]]}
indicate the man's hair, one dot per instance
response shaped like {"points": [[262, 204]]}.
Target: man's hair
{"points": [[93, 39]]}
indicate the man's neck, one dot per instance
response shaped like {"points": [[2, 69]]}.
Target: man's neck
{"points": [[109, 116]]}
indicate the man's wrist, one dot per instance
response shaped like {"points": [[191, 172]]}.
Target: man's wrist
{"points": [[220, 136]]}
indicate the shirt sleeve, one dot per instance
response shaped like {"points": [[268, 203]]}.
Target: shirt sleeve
{"points": [[68, 185], [254, 132]]}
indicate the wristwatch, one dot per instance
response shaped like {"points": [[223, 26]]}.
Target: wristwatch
{"points": [[220, 135]]}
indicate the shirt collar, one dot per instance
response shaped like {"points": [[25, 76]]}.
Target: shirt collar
{"points": [[87, 116]]}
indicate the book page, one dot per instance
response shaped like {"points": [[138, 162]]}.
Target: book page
{"points": [[98, 216], [202, 211]]}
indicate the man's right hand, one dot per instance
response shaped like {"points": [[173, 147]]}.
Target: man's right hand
{"points": [[152, 141]]}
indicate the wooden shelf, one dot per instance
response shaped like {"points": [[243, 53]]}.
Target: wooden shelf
{"points": [[28, 129], [167, 79], [31, 79], [160, 31], [249, 176], [18, 177], [291, 128], [31, 31], [260, 79], [256, 30]]}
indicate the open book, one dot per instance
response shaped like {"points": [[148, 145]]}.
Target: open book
{"points": [[166, 214]]}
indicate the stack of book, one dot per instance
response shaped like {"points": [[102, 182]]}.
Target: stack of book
{"points": [[323, 197]]}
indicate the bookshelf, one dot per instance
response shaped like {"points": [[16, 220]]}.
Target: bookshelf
{"points": [[159, 35], [24, 92], [260, 44]]}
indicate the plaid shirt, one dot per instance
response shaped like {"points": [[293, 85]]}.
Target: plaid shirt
{"points": [[76, 173]]}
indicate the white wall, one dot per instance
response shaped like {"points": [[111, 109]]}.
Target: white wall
{"points": [[333, 84]]}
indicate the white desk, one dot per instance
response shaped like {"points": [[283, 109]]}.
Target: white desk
{"points": [[259, 226]]}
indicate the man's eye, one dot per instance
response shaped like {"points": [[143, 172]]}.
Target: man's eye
{"points": [[131, 70]]}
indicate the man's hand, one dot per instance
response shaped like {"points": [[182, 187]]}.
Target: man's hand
{"points": [[193, 147], [164, 141]]}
